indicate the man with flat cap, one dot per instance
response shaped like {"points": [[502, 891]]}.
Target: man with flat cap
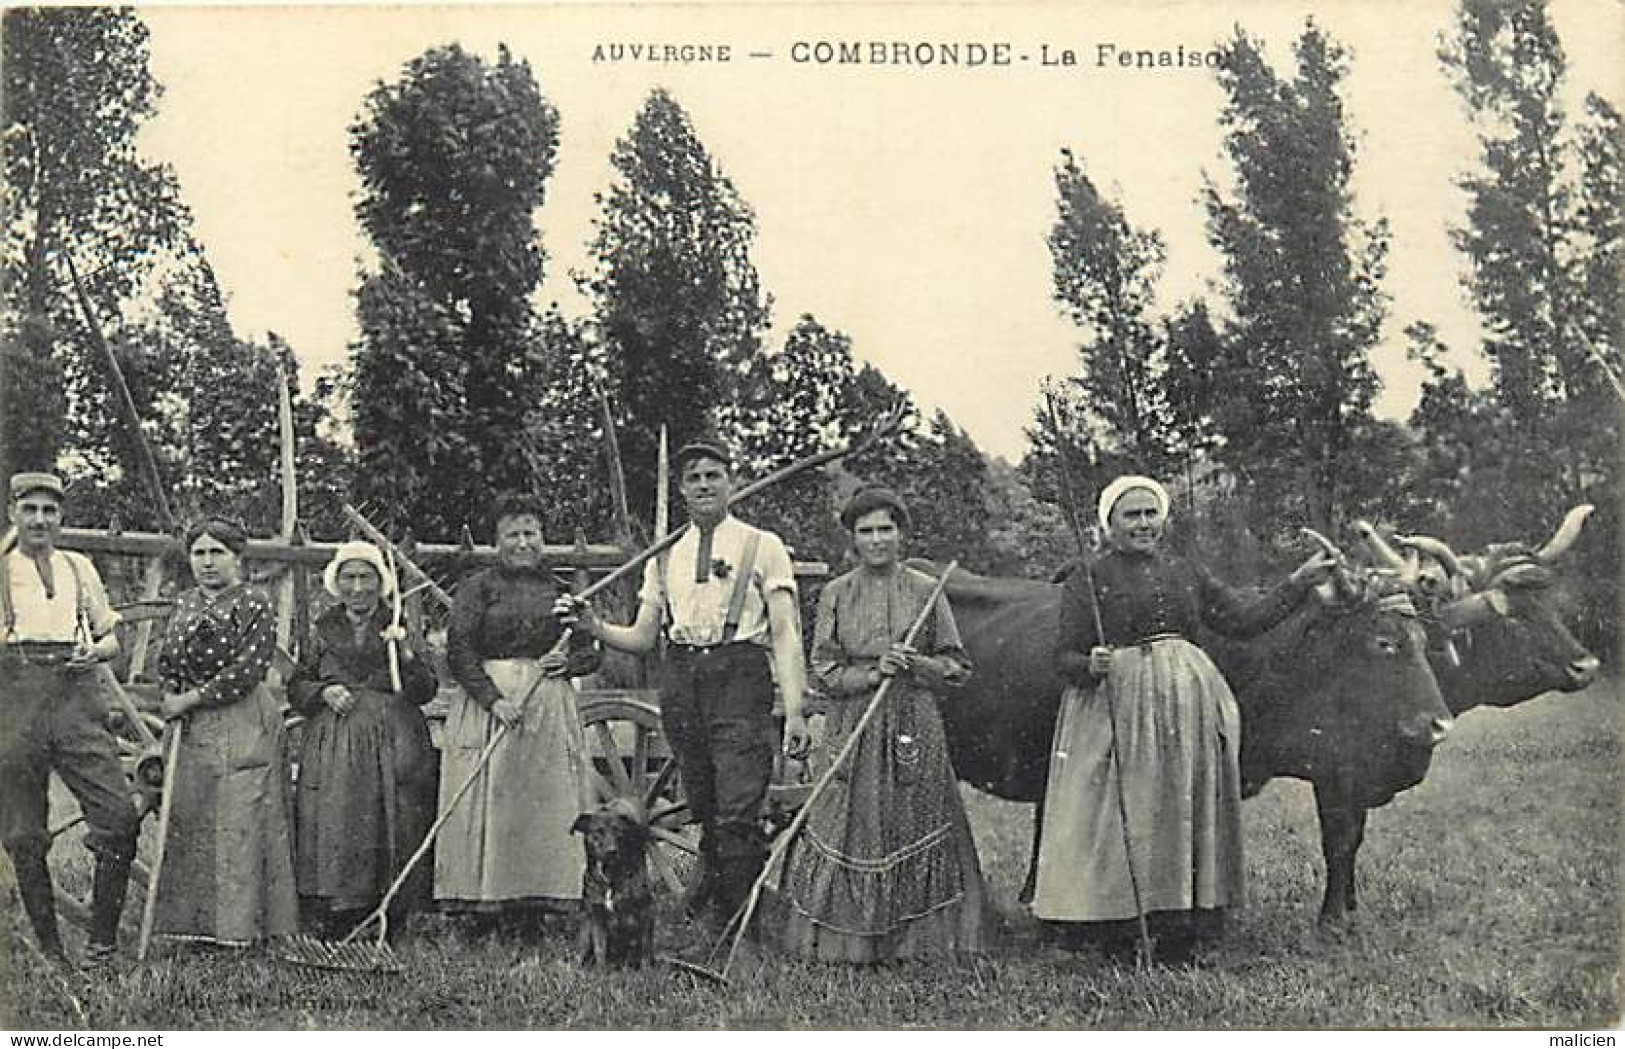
{"points": [[726, 595], [57, 625]]}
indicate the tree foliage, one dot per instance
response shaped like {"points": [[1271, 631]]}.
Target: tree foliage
{"points": [[1105, 274], [453, 159], [1302, 275], [676, 295], [77, 91], [1542, 245]]}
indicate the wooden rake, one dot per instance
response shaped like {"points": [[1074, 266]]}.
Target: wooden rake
{"points": [[354, 953]]}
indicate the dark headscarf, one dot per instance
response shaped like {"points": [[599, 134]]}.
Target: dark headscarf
{"points": [[872, 497]]}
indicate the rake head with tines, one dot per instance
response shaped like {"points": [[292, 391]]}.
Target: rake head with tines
{"points": [[351, 954]]}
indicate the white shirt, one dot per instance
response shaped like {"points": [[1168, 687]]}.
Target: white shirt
{"points": [[695, 612], [39, 618]]}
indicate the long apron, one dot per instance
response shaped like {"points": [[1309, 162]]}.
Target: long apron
{"points": [[509, 839], [228, 865], [1179, 739]]}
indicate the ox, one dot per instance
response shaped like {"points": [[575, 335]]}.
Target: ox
{"points": [[1499, 639], [1340, 695]]}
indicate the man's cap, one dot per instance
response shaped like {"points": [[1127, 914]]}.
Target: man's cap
{"points": [[33, 481], [703, 449]]}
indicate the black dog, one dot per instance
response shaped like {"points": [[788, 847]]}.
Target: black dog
{"points": [[618, 926]]}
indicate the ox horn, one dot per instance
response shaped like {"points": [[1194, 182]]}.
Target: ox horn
{"points": [[1434, 548], [1566, 534], [1386, 555], [1342, 582], [1325, 544]]}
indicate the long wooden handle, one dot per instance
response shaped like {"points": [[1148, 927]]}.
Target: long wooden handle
{"points": [[888, 424], [395, 624], [172, 753], [382, 910], [428, 839]]}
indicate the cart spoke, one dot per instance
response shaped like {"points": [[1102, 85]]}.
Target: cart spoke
{"points": [[611, 755], [675, 840], [658, 785], [664, 870]]}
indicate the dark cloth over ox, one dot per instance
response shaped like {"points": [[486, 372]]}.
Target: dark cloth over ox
{"points": [[1177, 736], [365, 794], [885, 867], [228, 872]]}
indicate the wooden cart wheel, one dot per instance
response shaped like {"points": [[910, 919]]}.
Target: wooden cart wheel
{"points": [[630, 759]]}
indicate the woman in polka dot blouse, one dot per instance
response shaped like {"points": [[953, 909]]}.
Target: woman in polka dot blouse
{"points": [[228, 872]]}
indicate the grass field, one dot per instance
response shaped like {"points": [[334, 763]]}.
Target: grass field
{"points": [[1490, 898]]}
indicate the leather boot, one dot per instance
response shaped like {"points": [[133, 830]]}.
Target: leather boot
{"points": [[39, 897], [735, 876], [107, 901]]}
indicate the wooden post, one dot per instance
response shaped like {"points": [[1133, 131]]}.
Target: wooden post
{"points": [[286, 596], [132, 418], [151, 588]]}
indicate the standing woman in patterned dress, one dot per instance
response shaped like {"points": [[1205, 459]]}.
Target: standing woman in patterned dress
{"points": [[506, 853], [228, 870], [885, 868]]}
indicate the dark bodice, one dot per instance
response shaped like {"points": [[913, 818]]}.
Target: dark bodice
{"points": [[339, 654], [507, 613], [1143, 596]]}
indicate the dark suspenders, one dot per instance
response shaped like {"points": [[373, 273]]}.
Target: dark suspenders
{"points": [[8, 611], [736, 597]]}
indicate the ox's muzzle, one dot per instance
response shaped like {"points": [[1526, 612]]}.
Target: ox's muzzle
{"points": [[1425, 730], [1582, 672]]}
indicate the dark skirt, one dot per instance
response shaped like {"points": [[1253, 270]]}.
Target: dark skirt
{"points": [[365, 800]]}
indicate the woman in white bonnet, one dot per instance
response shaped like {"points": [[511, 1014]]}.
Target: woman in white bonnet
{"points": [[1177, 736], [365, 795]]}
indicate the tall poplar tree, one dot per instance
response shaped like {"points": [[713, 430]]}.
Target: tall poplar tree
{"points": [[1302, 274], [1542, 242], [454, 158], [676, 295], [77, 90], [1105, 274]]}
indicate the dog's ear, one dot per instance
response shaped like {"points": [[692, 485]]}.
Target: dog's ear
{"points": [[581, 824]]}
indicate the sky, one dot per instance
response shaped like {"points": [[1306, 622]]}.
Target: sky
{"points": [[906, 205]]}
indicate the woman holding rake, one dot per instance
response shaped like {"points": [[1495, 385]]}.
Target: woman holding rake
{"points": [[228, 874], [885, 868], [507, 852]]}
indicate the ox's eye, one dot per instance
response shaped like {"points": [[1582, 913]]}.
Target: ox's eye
{"points": [[1388, 646]]}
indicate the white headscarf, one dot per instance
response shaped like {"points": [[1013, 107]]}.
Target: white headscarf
{"points": [[358, 551], [1124, 485]]}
